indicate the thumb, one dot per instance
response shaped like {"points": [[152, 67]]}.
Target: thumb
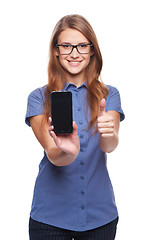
{"points": [[75, 128], [102, 107]]}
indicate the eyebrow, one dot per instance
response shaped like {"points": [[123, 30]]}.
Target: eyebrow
{"points": [[67, 43]]}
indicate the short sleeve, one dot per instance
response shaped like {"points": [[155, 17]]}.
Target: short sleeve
{"points": [[114, 102], [35, 104]]}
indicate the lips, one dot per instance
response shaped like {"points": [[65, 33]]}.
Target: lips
{"points": [[74, 63]]}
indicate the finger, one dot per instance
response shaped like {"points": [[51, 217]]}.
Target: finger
{"points": [[49, 121], [107, 135], [50, 128], [102, 107], [50, 124], [52, 134], [55, 138], [50, 131], [105, 125], [106, 130], [105, 118], [75, 127]]}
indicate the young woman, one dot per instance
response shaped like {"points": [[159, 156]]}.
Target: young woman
{"points": [[73, 196]]}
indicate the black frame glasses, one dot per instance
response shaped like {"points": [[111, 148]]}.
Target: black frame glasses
{"points": [[78, 46]]}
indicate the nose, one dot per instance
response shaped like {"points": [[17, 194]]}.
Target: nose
{"points": [[74, 53]]}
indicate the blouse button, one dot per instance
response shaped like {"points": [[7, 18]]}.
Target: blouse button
{"points": [[82, 192], [79, 108], [82, 163], [82, 177], [80, 122], [82, 207]]}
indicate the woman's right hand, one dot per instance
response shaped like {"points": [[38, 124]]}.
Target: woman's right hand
{"points": [[68, 143], [61, 150]]}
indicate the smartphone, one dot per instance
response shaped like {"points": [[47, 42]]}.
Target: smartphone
{"points": [[61, 112]]}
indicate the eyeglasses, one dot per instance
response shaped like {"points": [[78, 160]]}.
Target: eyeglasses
{"points": [[66, 49]]}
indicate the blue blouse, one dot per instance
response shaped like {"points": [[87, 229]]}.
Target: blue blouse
{"points": [[79, 196]]}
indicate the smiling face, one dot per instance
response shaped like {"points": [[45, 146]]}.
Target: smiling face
{"points": [[74, 63]]}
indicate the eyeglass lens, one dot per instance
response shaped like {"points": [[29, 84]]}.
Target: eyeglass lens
{"points": [[81, 48]]}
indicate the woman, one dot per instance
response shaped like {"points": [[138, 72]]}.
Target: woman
{"points": [[73, 196]]}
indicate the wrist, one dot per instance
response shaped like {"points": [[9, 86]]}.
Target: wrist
{"points": [[108, 143], [61, 158]]}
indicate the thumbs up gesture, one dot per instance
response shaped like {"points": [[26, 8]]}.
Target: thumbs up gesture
{"points": [[105, 121]]}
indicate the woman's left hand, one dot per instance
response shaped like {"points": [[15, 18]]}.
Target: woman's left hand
{"points": [[108, 126], [105, 121]]}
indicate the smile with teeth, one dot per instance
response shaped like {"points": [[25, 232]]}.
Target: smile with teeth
{"points": [[74, 63]]}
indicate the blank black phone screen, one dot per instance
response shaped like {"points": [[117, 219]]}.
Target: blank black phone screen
{"points": [[61, 112]]}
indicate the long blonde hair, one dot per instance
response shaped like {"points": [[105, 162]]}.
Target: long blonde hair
{"points": [[56, 74]]}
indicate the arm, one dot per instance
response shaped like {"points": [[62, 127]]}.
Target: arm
{"points": [[108, 127], [61, 150]]}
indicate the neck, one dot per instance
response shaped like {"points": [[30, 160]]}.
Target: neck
{"points": [[77, 80]]}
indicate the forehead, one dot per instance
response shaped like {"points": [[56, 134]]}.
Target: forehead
{"points": [[71, 36]]}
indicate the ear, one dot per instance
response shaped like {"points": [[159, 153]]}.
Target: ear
{"points": [[56, 50], [91, 53], [57, 53]]}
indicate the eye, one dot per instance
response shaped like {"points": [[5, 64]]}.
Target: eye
{"points": [[66, 46], [83, 45]]}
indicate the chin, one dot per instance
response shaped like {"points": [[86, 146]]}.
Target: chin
{"points": [[74, 71]]}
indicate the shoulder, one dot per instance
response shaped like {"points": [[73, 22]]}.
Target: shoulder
{"points": [[37, 93], [35, 104], [37, 96], [113, 94], [113, 101], [112, 90]]}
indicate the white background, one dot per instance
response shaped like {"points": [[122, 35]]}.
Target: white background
{"points": [[129, 37]]}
